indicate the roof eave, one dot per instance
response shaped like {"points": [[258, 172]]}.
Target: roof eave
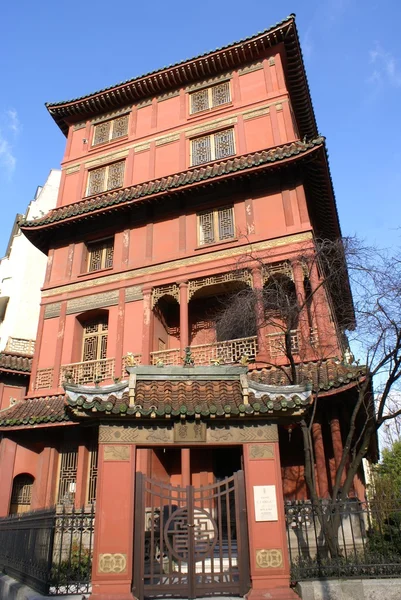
{"points": [[201, 67]]}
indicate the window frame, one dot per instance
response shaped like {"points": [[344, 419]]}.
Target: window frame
{"points": [[110, 139], [209, 90], [89, 251], [212, 136], [107, 171], [101, 348], [216, 225]]}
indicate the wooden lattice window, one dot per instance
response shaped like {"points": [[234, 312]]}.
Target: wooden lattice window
{"points": [[106, 178], [67, 475], [216, 225], [94, 345], [21, 494], [100, 255], [211, 97], [212, 147], [110, 130], [92, 475]]}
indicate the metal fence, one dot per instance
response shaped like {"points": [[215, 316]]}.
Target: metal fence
{"points": [[344, 539], [49, 550]]}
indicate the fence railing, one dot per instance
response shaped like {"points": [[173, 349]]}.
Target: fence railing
{"points": [[20, 346], [228, 352], [90, 371], [344, 539], [49, 550]]}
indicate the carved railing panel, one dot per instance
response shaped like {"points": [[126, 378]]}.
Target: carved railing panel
{"points": [[227, 352], [196, 284], [20, 346], [44, 379], [276, 343], [91, 371]]}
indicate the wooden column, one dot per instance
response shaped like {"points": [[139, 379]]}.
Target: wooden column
{"points": [[320, 460], [147, 326], [184, 326], [38, 500], [8, 450], [113, 540], [320, 311], [257, 279], [337, 442], [303, 323], [59, 344], [120, 334], [38, 345], [82, 476], [185, 467]]}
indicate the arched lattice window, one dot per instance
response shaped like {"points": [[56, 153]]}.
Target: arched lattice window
{"points": [[21, 494], [94, 345]]}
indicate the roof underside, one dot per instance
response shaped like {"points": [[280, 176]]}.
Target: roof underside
{"points": [[196, 69]]}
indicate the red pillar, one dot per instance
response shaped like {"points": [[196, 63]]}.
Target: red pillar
{"points": [[82, 476], [269, 564], [257, 280], [185, 467], [118, 371], [303, 323], [184, 326], [59, 345], [147, 326], [320, 460], [336, 438], [113, 543], [326, 333], [42, 477], [8, 450]]}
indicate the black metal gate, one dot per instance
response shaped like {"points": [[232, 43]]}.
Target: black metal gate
{"points": [[190, 542]]}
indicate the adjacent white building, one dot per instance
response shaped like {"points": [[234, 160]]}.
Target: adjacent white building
{"points": [[22, 272]]}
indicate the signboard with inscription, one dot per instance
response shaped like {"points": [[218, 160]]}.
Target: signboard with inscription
{"points": [[265, 502]]}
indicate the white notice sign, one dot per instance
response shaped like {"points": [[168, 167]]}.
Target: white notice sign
{"points": [[265, 502]]}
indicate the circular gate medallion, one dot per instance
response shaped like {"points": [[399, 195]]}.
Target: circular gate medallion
{"points": [[177, 532]]}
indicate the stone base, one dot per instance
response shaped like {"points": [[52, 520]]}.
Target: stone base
{"points": [[351, 589], [277, 593]]}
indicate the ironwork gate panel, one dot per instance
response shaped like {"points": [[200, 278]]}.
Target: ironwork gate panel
{"points": [[190, 542]]}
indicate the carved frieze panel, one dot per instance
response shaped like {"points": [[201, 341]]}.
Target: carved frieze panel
{"points": [[120, 452], [258, 112], [249, 68], [93, 301], [112, 563], [132, 293], [269, 559], [189, 432], [167, 139], [52, 310], [261, 451]]}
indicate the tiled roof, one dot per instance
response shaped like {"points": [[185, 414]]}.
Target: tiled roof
{"points": [[185, 392], [323, 376], [15, 362], [50, 409], [173, 182], [201, 67]]}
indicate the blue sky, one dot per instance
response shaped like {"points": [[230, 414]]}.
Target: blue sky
{"points": [[51, 51]]}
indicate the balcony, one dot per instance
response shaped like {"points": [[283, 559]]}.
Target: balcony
{"points": [[228, 352], [20, 346]]}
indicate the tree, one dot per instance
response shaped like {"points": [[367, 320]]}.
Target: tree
{"points": [[375, 278]]}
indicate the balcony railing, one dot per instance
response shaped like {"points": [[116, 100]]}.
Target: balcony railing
{"points": [[91, 371], [228, 352], [276, 342], [20, 346]]}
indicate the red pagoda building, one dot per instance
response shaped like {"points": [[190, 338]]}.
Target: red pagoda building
{"points": [[183, 441]]}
